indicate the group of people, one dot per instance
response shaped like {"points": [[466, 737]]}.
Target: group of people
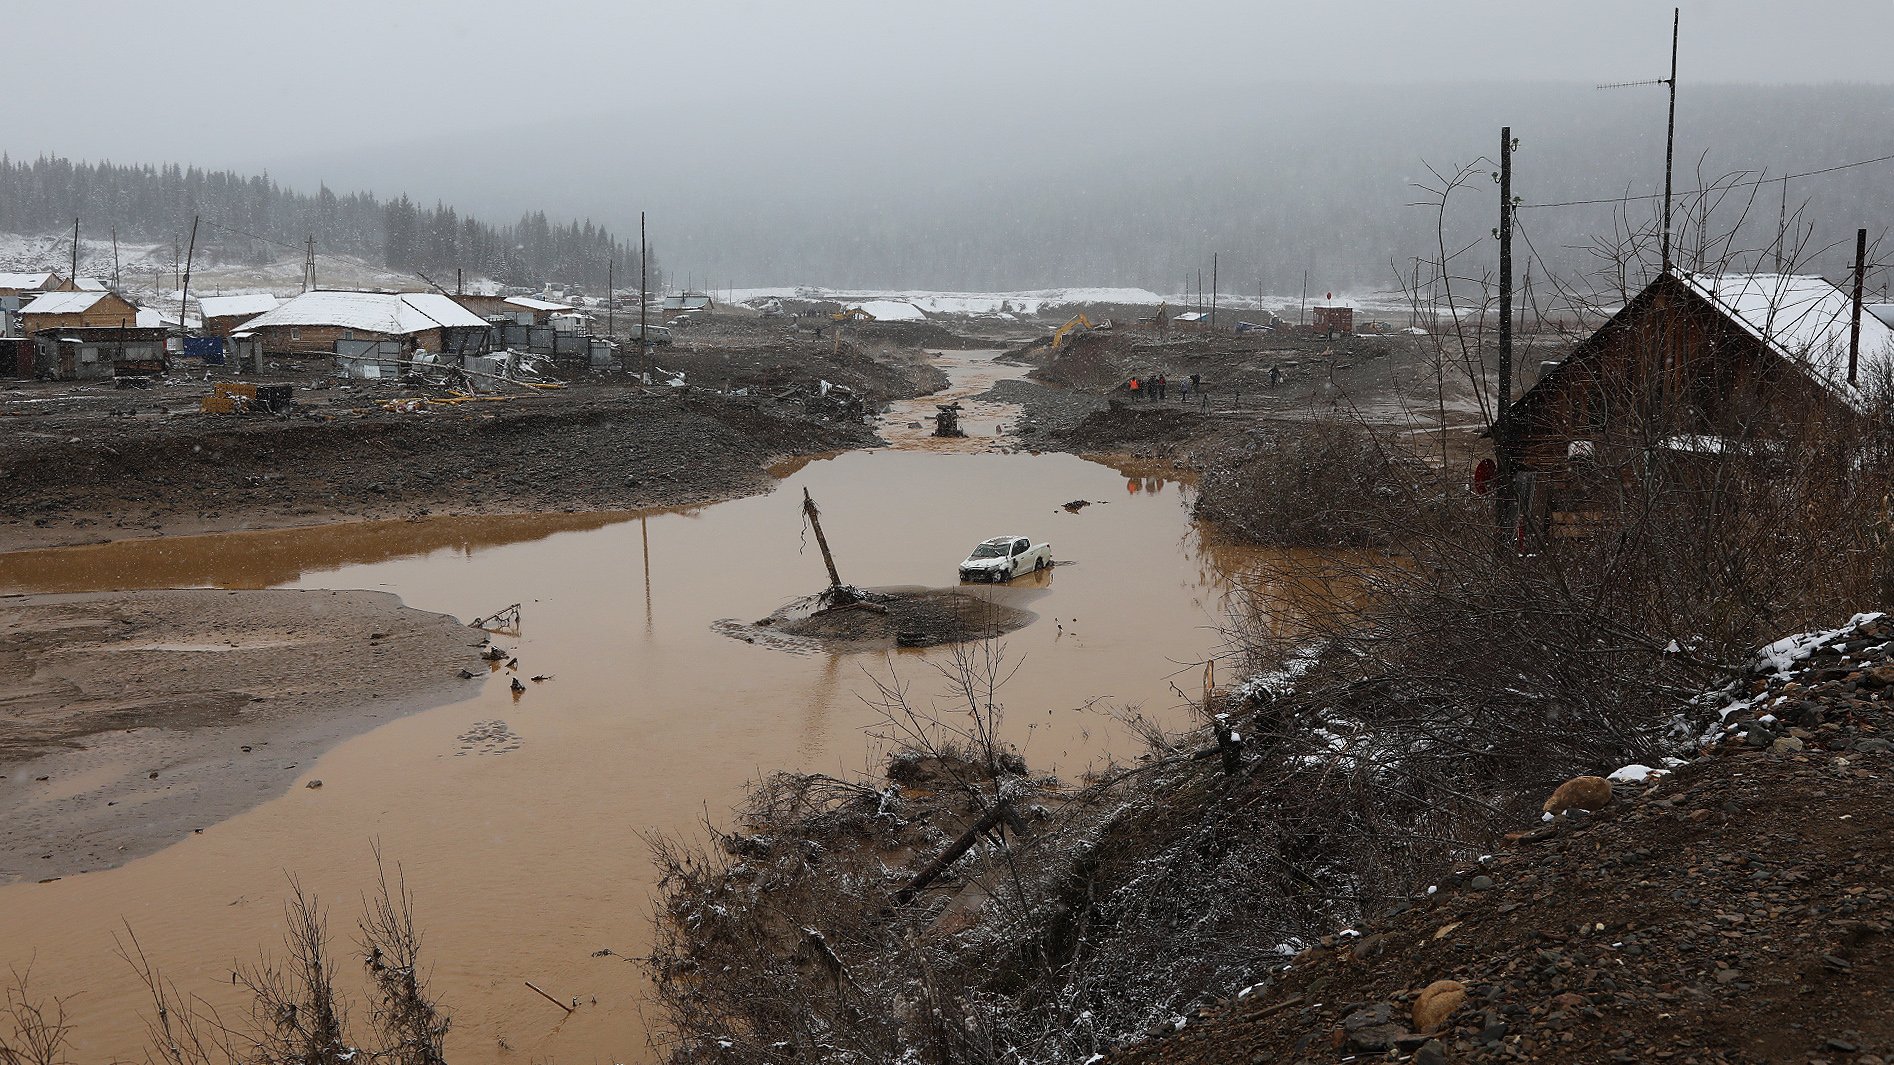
{"points": [[1157, 386]]}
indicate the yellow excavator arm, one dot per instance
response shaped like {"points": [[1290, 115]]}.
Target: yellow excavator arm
{"points": [[1078, 320], [852, 314]]}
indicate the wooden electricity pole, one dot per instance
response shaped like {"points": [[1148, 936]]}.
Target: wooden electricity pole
{"points": [[184, 294], [815, 522], [644, 300], [1213, 292], [1502, 444], [114, 256], [75, 253], [1854, 320], [1670, 132]]}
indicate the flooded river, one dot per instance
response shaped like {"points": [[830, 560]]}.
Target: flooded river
{"points": [[519, 821]]}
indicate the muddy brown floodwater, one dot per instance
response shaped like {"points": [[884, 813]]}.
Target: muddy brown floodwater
{"points": [[518, 820]]}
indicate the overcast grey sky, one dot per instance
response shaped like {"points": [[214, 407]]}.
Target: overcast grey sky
{"points": [[240, 82], [961, 142]]}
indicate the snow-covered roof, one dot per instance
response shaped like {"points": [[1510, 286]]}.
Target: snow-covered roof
{"points": [[392, 313], [25, 281], [88, 284], [63, 303], [228, 306], [1802, 318], [152, 318], [891, 310], [1883, 311], [1189, 316], [531, 304]]}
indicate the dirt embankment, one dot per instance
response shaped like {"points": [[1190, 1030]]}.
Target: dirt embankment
{"points": [[134, 718], [1388, 383], [1738, 910], [80, 478]]}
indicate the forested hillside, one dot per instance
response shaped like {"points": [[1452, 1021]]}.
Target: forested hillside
{"points": [[253, 219]]}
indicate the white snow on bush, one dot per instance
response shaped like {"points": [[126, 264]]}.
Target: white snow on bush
{"points": [[1634, 774], [1782, 655]]}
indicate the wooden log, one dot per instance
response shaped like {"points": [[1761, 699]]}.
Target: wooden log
{"points": [[935, 868], [547, 997]]}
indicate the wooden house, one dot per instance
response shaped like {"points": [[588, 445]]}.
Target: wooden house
{"points": [[82, 353], [1694, 366], [18, 290], [77, 310], [1334, 323], [342, 323], [224, 315]]}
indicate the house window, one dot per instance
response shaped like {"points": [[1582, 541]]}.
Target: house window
{"points": [[295, 333]]}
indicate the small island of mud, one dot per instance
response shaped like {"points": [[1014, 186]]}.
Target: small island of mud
{"points": [[884, 618]]}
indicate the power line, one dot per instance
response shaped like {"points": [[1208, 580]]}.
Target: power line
{"points": [[1736, 185]]}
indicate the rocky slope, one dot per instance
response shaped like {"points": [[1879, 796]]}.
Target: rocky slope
{"points": [[1737, 909]]}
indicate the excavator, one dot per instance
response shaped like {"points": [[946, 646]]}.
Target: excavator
{"points": [[852, 314], [1079, 319]]}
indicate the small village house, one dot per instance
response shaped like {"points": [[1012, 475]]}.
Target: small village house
{"points": [[96, 352], [520, 310], [224, 315], [687, 303], [1695, 366], [393, 323], [77, 310], [18, 290]]}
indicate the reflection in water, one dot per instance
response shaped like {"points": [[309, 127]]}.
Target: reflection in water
{"points": [[268, 558], [525, 862]]}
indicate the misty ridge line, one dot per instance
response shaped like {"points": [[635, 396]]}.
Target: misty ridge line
{"points": [[254, 219], [1133, 196]]}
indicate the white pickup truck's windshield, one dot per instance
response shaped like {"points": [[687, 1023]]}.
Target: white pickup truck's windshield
{"points": [[990, 551]]}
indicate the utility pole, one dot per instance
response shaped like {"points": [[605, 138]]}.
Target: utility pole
{"points": [[114, 256], [1502, 444], [1782, 222], [309, 264], [1854, 321], [184, 293], [1670, 131], [1670, 126], [1213, 292], [644, 301], [75, 252], [611, 299], [1302, 309]]}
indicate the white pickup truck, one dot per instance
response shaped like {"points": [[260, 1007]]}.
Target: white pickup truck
{"points": [[1004, 557]]}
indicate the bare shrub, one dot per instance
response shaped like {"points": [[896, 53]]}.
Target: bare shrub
{"points": [[1324, 483], [33, 1029], [297, 1014]]}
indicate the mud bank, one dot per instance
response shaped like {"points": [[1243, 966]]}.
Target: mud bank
{"points": [[892, 617], [597, 449], [136, 718]]}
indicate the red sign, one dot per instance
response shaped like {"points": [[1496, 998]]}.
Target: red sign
{"points": [[1483, 475]]}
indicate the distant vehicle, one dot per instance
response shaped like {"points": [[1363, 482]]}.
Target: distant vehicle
{"points": [[659, 335], [1004, 557]]}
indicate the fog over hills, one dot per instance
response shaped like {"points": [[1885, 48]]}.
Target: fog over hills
{"points": [[1000, 148]]}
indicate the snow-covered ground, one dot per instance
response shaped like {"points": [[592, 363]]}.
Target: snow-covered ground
{"points": [[985, 304], [148, 274], [1049, 301]]}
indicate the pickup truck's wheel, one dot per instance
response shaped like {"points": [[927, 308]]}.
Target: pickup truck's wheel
{"points": [[1038, 564]]}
